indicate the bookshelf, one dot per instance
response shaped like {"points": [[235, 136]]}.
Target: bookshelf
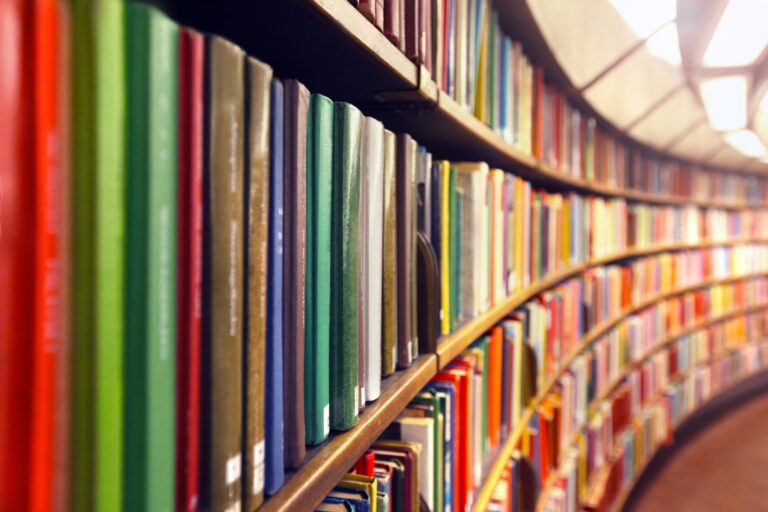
{"points": [[333, 49], [375, 75]]}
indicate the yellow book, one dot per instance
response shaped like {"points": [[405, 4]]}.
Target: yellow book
{"points": [[482, 69], [445, 271], [566, 253], [364, 483]]}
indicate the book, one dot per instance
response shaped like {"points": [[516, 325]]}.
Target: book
{"points": [[390, 282], [189, 280], [17, 255], [49, 149], [98, 49], [345, 247], [318, 292], [150, 280], [371, 250], [274, 462], [222, 436], [256, 244], [296, 98], [405, 185]]}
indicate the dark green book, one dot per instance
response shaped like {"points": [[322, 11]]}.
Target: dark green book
{"points": [[150, 284], [344, 265], [318, 289]]}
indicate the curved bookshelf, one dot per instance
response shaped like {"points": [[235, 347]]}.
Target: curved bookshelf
{"points": [[451, 345], [611, 386], [621, 498], [486, 491], [387, 85]]}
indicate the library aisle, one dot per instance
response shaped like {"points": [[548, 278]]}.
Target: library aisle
{"points": [[729, 453]]}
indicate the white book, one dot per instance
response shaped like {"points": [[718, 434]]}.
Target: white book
{"points": [[372, 196], [421, 431], [472, 182]]}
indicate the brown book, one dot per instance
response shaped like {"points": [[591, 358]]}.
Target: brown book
{"points": [[390, 282], [295, 266], [368, 9], [257, 237], [412, 28], [223, 278], [378, 18], [405, 184]]}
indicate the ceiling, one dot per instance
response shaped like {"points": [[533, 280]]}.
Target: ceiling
{"points": [[640, 65]]}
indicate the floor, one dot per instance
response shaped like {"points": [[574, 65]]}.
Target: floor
{"points": [[723, 467]]}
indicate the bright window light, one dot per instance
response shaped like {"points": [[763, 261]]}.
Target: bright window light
{"points": [[725, 100], [740, 36], [764, 102], [746, 141], [664, 44], [647, 16]]}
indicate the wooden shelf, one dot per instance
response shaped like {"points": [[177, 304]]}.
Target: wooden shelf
{"points": [[451, 345], [505, 453], [604, 394], [327, 463], [331, 47]]}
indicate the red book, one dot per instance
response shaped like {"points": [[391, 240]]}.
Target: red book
{"points": [[460, 378], [392, 15], [538, 112], [365, 464], [17, 211], [190, 267], [48, 439]]}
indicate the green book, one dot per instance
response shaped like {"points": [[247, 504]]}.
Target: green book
{"points": [[430, 398], [150, 267], [455, 247], [344, 265], [318, 290], [97, 254]]}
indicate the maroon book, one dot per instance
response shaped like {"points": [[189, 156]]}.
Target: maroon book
{"points": [[190, 267]]}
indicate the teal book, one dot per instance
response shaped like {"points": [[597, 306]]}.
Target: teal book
{"points": [[150, 267], [98, 193], [345, 247], [318, 289]]}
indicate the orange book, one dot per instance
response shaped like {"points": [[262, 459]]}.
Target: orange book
{"points": [[48, 421], [495, 353]]}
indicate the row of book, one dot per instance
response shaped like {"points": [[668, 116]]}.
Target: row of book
{"points": [[494, 234], [590, 453], [464, 47], [583, 431], [458, 421], [223, 273]]}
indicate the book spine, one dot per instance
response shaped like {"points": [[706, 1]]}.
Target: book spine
{"points": [[344, 266], [190, 267], [294, 274], [405, 184], [48, 387], [256, 249], [317, 329], [273, 396], [390, 282], [150, 303], [223, 436]]}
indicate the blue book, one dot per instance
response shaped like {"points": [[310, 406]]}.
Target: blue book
{"points": [[273, 396], [451, 50], [505, 90]]}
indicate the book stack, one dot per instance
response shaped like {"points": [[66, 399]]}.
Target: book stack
{"points": [[465, 49]]}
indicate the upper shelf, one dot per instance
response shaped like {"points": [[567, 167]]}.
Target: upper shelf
{"points": [[336, 51]]}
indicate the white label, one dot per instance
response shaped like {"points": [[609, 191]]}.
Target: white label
{"points": [[233, 470], [234, 508], [357, 397], [258, 467], [362, 395], [326, 419], [410, 351]]}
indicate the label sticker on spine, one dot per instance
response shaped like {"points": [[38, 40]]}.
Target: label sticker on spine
{"points": [[326, 419], [234, 466], [258, 467]]}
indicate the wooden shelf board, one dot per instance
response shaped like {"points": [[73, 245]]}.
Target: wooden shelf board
{"points": [[327, 463]]}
